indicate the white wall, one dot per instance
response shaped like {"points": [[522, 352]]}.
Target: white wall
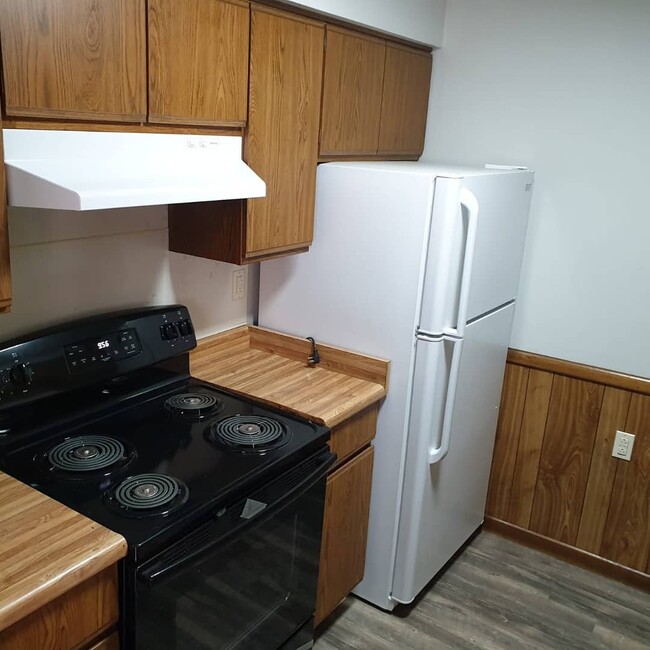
{"points": [[419, 20], [563, 87], [66, 265]]}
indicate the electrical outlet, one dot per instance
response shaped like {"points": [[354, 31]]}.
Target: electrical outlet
{"points": [[623, 443], [238, 284]]}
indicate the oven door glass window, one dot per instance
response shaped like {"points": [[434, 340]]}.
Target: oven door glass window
{"points": [[250, 588]]}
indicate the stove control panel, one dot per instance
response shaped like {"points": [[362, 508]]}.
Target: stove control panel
{"points": [[92, 351], [102, 349]]}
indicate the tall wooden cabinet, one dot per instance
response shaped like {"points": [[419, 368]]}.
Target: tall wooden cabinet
{"points": [[5, 270], [286, 60], [282, 140], [198, 61], [75, 59]]}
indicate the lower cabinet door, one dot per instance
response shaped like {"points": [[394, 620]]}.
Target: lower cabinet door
{"points": [[345, 531], [71, 621]]}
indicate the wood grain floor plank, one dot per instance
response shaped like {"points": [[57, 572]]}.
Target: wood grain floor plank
{"points": [[565, 459], [499, 595], [507, 438], [613, 416], [533, 424], [627, 530]]}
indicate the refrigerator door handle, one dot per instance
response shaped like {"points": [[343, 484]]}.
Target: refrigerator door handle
{"points": [[436, 454], [469, 202]]}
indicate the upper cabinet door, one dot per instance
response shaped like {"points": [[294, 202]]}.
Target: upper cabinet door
{"points": [[198, 61], [405, 101], [352, 91], [282, 145], [79, 59]]}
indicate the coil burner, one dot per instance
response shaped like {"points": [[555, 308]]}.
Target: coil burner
{"points": [[193, 405], [148, 495], [86, 454], [249, 433]]}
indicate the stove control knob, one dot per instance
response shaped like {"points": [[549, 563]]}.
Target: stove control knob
{"points": [[169, 331], [185, 327], [22, 375]]}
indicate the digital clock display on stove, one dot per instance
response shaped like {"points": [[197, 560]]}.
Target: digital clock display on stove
{"points": [[94, 352]]}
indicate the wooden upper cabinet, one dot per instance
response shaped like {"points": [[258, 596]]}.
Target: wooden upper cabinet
{"points": [[5, 270], [198, 61], [352, 91], [78, 59], [405, 101], [286, 65]]}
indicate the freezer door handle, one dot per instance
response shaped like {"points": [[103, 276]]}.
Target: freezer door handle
{"points": [[437, 453], [469, 202]]}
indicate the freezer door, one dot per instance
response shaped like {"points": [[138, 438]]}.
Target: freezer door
{"points": [[476, 245], [444, 503], [503, 205]]}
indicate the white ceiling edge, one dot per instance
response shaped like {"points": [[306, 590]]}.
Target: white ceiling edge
{"points": [[417, 20]]}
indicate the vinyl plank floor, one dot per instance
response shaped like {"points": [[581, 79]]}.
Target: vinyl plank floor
{"points": [[499, 595]]}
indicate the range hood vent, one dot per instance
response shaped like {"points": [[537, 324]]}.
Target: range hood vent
{"points": [[88, 170]]}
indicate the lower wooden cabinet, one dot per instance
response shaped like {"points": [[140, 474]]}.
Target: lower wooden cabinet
{"points": [[73, 620], [5, 270], [345, 530]]}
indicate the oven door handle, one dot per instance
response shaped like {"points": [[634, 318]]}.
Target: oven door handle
{"points": [[190, 549]]}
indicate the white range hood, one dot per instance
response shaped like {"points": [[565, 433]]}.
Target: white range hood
{"points": [[88, 170]]}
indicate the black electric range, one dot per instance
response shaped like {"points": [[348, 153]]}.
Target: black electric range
{"points": [[220, 499]]}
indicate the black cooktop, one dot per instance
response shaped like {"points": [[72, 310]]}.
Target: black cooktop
{"points": [[185, 452]]}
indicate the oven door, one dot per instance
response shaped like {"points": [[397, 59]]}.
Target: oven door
{"points": [[246, 579]]}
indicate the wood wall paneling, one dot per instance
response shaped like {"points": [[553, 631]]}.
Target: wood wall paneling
{"points": [[627, 531], [198, 61], [5, 268], [573, 413], [529, 449], [580, 371], [405, 101], [553, 478], [511, 411], [353, 80], [613, 416], [74, 59], [286, 67]]}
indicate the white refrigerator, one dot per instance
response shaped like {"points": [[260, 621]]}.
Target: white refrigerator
{"points": [[418, 264]]}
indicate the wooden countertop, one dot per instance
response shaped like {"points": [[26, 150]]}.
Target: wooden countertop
{"points": [[45, 549], [272, 367]]}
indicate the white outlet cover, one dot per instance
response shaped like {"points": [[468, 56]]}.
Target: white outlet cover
{"points": [[239, 284], [623, 444]]}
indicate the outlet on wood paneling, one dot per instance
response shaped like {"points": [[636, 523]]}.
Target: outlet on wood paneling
{"points": [[553, 473], [627, 531]]}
